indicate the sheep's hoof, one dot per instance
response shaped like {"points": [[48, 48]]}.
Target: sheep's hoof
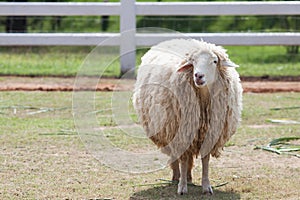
{"points": [[190, 179], [182, 189], [207, 190], [175, 179]]}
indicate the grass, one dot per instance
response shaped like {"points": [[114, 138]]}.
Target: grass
{"points": [[42, 157], [265, 61], [41, 61], [67, 61]]}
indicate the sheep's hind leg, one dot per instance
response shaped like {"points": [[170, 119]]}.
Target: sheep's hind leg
{"points": [[189, 170], [176, 171], [206, 187], [182, 185]]}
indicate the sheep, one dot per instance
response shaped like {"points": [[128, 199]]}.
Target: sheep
{"points": [[188, 98]]}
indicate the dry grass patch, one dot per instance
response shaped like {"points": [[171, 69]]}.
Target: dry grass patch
{"points": [[42, 157]]}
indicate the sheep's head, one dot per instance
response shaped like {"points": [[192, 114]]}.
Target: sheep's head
{"points": [[205, 64]]}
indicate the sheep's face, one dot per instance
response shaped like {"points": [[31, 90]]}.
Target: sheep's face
{"points": [[204, 66]]}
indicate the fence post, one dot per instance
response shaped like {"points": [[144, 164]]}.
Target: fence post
{"points": [[127, 42]]}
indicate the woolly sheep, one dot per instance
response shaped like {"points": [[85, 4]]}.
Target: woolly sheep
{"points": [[188, 97]]}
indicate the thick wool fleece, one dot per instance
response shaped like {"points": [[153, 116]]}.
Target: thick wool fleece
{"points": [[180, 118]]}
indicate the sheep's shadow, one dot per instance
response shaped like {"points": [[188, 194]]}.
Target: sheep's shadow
{"points": [[170, 192]]}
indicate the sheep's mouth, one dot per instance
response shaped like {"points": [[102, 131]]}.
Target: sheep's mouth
{"points": [[200, 82]]}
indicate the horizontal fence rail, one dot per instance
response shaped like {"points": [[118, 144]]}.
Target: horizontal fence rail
{"points": [[59, 9], [128, 39], [151, 8], [146, 39], [218, 8], [227, 39]]}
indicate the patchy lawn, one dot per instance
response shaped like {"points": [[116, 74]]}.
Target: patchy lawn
{"points": [[41, 155]]}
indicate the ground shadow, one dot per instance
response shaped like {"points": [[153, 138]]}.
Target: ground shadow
{"points": [[169, 192]]}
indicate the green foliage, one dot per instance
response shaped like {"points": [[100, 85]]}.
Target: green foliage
{"points": [[178, 23], [283, 146]]}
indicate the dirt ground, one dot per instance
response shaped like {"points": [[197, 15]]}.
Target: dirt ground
{"points": [[42, 156], [11, 83]]}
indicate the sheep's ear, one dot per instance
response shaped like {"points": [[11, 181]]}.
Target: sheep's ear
{"points": [[228, 63], [223, 58], [185, 67]]}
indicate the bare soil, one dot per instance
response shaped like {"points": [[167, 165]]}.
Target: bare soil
{"points": [[42, 156], [12, 83]]}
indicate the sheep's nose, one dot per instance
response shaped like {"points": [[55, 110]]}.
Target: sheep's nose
{"points": [[199, 75]]}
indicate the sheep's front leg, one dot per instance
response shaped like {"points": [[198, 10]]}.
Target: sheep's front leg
{"points": [[176, 171], [182, 185], [206, 187]]}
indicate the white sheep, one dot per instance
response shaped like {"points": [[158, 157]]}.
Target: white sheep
{"points": [[188, 97]]}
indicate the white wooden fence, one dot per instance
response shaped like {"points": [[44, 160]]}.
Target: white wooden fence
{"points": [[128, 39]]}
